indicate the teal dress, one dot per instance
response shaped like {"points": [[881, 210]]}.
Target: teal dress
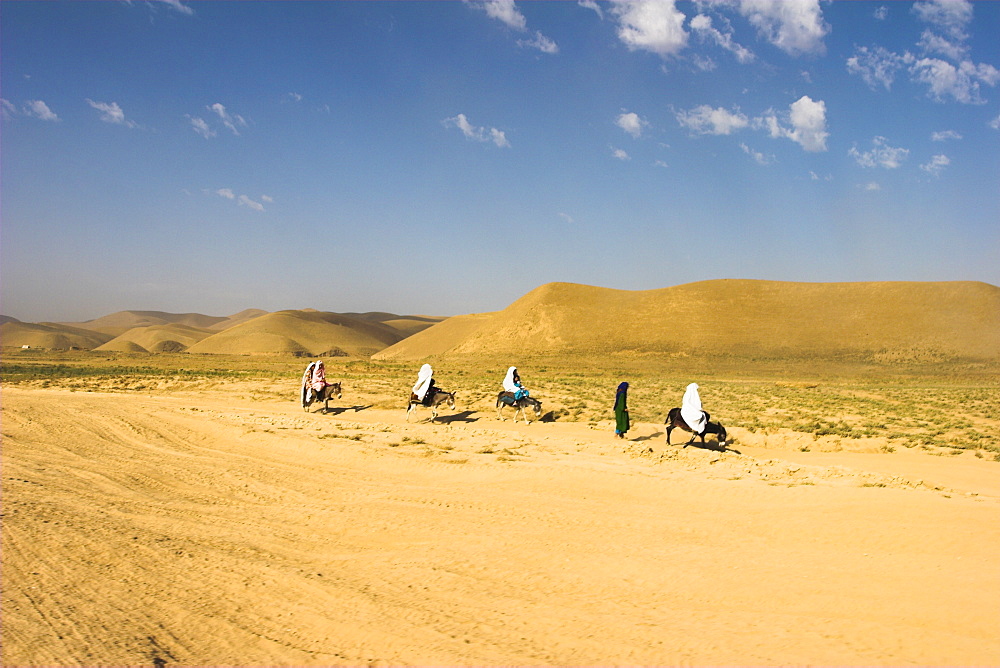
{"points": [[621, 409]]}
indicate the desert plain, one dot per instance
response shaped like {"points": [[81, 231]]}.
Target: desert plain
{"points": [[182, 509]]}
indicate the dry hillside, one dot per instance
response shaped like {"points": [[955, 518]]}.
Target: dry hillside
{"points": [[311, 333], [122, 321], [237, 318], [406, 324], [157, 339], [51, 335], [886, 321]]}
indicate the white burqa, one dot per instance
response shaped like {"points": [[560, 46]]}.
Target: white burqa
{"points": [[508, 382], [423, 381], [691, 410]]}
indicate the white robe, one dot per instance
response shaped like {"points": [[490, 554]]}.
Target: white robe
{"points": [[691, 409], [307, 383], [423, 381], [508, 382]]}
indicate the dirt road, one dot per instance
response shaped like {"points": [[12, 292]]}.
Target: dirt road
{"points": [[204, 530]]}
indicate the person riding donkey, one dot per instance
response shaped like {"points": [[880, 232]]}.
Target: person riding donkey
{"points": [[424, 388], [512, 384], [313, 382]]}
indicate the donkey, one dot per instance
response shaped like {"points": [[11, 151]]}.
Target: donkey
{"points": [[674, 419], [507, 399], [437, 398], [331, 391]]}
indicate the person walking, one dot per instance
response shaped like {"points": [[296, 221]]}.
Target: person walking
{"points": [[621, 410]]}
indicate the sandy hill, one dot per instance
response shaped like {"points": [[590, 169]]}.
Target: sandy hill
{"points": [[157, 339], [122, 321], [888, 321], [406, 324], [311, 333], [49, 335], [237, 318]]}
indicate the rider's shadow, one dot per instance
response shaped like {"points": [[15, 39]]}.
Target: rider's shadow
{"points": [[464, 416], [714, 446], [655, 434], [337, 410]]}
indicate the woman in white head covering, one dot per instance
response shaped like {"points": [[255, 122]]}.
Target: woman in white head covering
{"points": [[424, 379], [512, 384], [691, 409]]}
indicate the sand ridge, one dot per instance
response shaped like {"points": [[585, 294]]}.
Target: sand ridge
{"points": [[201, 528], [893, 321]]}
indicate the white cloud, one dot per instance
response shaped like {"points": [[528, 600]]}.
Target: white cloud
{"points": [[231, 121], [631, 123], [499, 138], [225, 192], [881, 155], [651, 25], [704, 120], [201, 127], [178, 6], [881, 13], [660, 163], [566, 217], [294, 97], [620, 154], [507, 12], [947, 134], [477, 133], [758, 157], [591, 4], [951, 16], [960, 83], [877, 66], [243, 200], [39, 109], [112, 113], [794, 26], [936, 164], [931, 42], [948, 20], [871, 186], [267, 198], [9, 110], [808, 124], [540, 42], [995, 123], [702, 26]]}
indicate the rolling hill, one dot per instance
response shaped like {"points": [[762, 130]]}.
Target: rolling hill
{"points": [[171, 338], [122, 321], [883, 321], [313, 333], [51, 335]]}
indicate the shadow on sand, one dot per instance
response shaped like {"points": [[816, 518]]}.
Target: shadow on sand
{"points": [[714, 446], [463, 416], [337, 410]]}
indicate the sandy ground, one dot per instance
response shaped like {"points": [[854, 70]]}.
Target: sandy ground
{"points": [[208, 530]]}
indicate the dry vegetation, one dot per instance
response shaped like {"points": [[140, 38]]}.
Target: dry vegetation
{"points": [[181, 509], [941, 409]]}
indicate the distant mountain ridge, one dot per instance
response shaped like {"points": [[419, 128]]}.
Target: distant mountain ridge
{"points": [[253, 331], [876, 321], [879, 321]]}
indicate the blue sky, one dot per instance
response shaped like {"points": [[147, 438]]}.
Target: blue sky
{"points": [[448, 157]]}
